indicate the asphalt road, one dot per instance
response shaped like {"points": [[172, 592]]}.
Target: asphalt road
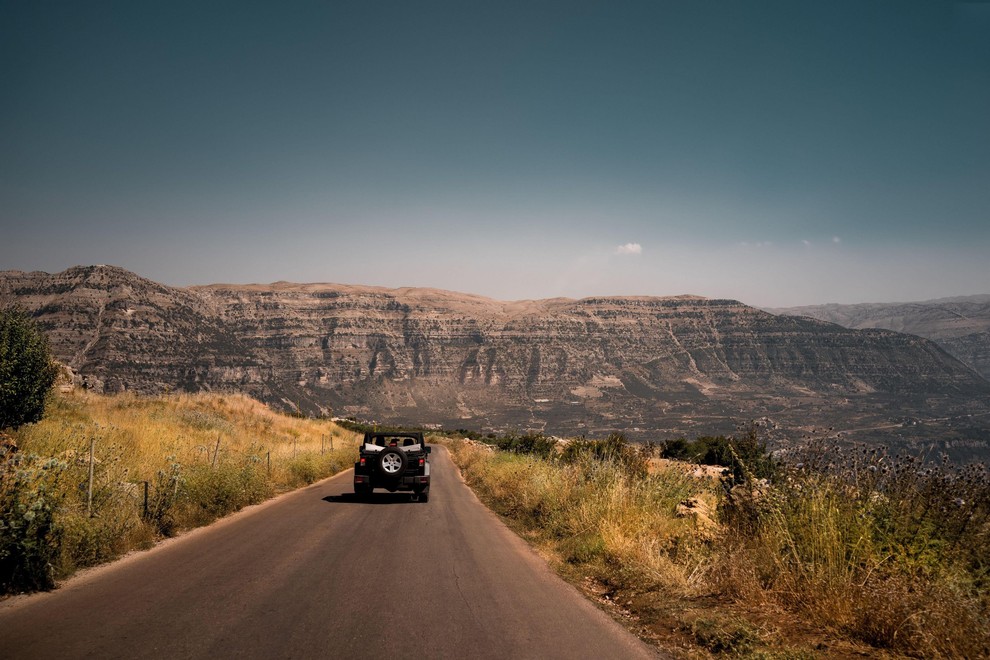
{"points": [[315, 574]]}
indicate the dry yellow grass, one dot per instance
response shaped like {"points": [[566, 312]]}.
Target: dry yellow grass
{"points": [[591, 513], [805, 564], [142, 431], [197, 456]]}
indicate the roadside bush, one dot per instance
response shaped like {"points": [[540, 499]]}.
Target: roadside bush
{"points": [[725, 635], [88, 541], [27, 370], [213, 492], [885, 548], [746, 455], [593, 512], [536, 444], [613, 449], [29, 537], [925, 511], [304, 469]]}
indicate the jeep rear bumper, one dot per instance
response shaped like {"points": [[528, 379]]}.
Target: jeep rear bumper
{"points": [[412, 482]]}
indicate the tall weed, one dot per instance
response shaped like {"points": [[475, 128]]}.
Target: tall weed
{"points": [[594, 511], [887, 549]]}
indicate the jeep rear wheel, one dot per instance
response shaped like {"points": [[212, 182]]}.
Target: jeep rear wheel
{"points": [[422, 495]]}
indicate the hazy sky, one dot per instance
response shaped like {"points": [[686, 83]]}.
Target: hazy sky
{"points": [[775, 152]]}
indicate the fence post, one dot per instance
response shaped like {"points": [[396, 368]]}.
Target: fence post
{"points": [[89, 490], [215, 452], [269, 464], [331, 442], [145, 514], [322, 440]]}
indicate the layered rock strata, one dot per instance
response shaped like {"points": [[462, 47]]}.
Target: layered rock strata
{"points": [[421, 355], [959, 325]]}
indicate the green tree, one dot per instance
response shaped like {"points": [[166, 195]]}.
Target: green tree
{"points": [[27, 370]]}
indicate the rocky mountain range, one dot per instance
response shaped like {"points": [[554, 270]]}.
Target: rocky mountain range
{"points": [[652, 367], [960, 325]]}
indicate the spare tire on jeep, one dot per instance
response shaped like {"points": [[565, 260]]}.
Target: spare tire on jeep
{"points": [[392, 462]]}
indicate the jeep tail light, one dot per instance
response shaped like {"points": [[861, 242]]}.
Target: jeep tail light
{"points": [[362, 461], [422, 462]]}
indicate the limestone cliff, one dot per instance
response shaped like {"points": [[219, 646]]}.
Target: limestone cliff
{"points": [[420, 355], [959, 325]]}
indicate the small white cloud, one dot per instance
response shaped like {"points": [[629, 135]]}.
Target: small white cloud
{"points": [[806, 243], [836, 239], [629, 248]]}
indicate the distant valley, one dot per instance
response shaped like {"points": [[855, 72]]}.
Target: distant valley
{"points": [[654, 368]]}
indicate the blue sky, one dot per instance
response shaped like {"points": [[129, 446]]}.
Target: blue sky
{"points": [[775, 152]]}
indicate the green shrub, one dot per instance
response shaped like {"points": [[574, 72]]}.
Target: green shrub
{"points": [[29, 537], [536, 444], [613, 449], [744, 455], [304, 469], [88, 541], [211, 493], [583, 548], [27, 370], [725, 635]]}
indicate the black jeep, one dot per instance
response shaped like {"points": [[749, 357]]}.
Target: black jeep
{"points": [[393, 461]]}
